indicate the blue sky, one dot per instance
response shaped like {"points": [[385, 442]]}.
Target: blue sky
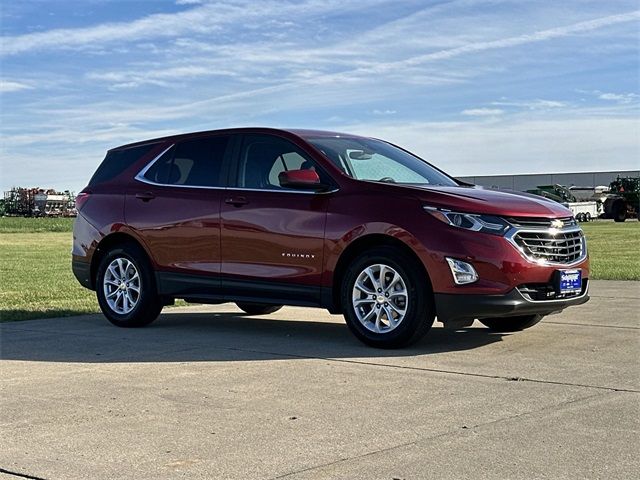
{"points": [[476, 87]]}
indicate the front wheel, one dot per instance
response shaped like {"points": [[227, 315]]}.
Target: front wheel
{"points": [[257, 308], [387, 299], [126, 289], [511, 324]]}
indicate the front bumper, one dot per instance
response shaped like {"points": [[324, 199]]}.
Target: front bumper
{"points": [[462, 309]]}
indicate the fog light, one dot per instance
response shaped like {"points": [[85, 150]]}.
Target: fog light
{"points": [[462, 272]]}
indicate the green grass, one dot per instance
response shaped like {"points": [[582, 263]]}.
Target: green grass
{"points": [[614, 249], [36, 279], [34, 225]]}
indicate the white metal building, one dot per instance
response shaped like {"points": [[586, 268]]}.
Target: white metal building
{"points": [[529, 181]]}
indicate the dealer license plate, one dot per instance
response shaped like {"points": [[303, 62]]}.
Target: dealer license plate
{"points": [[569, 281]]}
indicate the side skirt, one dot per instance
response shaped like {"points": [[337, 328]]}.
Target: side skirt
{"points": [[208, 289]]}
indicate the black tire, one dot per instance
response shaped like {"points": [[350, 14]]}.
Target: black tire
{"points": [[580, 217], [587, 217], [148, 304], [511, 324], [419, 312], [619, 211], [257, 308]]}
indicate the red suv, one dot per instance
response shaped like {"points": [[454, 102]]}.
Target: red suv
{"points": [[264, 218]]}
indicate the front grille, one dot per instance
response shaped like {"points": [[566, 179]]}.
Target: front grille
{"points": [[539, 222], [551, 246]]}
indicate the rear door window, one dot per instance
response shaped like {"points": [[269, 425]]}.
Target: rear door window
{"points": [[195, 163]]}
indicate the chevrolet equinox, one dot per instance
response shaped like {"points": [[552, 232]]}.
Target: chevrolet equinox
{"points": [[267, 217]]}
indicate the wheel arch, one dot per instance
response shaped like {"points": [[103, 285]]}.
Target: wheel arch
{"points": [[106, 244], [356, 248]]}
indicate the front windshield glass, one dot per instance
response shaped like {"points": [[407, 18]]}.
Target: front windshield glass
{"points": [[368, 159]]}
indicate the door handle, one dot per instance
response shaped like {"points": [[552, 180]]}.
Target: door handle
{"points": [[145, 196], [236, 201]]}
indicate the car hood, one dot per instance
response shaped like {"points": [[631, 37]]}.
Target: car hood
{"points": [[474, 199]]}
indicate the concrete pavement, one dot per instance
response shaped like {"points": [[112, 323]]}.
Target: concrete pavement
{"points": [[206, 392]]}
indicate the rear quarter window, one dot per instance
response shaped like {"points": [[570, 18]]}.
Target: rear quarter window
{"points": [[117, 161]]}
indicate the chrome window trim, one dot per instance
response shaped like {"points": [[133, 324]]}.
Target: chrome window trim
{"points": [[143, 172], [140, 177], [511, 233], [307, 192]]}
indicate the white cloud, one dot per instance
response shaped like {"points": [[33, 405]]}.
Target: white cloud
{"points": [[206, 18], [514, 146], [532, 104], [160, 77], [273, 75], [482, 112], [384, 112], [619, 97], [541, 35], [11, 86]]}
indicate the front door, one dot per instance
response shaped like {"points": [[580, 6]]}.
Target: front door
{"points": [[272, 237]]}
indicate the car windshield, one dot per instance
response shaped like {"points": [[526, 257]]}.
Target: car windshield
{"points": [[369, 159]]}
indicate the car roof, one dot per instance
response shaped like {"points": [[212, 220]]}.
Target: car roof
{"points": [[302, 133]]}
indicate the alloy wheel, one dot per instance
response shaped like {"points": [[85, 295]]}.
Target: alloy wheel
{"points": [[121, 285], [380, 298]]}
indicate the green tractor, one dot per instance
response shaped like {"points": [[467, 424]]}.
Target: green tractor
{"points": [[583, 210], [623, 199], [557, 193]]}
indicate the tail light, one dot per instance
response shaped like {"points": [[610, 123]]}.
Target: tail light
{"points": [[81, 199]]}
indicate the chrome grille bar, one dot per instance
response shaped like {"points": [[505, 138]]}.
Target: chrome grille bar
{"points": [[565, 246]]}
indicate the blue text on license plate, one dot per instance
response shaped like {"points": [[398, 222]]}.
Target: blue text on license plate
{"points": [[570, 281]]}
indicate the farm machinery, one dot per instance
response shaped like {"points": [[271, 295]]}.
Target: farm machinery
{"points": [[38, 202], [584, 211], [621, 200]]}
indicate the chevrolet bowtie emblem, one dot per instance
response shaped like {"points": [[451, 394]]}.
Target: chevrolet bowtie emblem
{"points": [[557, 224]]}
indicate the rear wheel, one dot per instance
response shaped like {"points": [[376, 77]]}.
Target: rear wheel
{"points": [[126, 289], [511, 324], [619, 211], [587, 217], [257, 308], [387, 299]]}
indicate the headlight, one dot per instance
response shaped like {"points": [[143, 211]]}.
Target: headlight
{"points": [[470, 221]]}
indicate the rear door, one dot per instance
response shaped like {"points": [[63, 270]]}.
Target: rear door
{"points": [[174, 207], [272, 237]]}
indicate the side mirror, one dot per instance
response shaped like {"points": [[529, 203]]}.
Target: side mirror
{"points": [[301, 179]]}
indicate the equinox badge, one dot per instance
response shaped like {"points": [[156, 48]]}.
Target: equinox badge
{"points": [[298, 255]]}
